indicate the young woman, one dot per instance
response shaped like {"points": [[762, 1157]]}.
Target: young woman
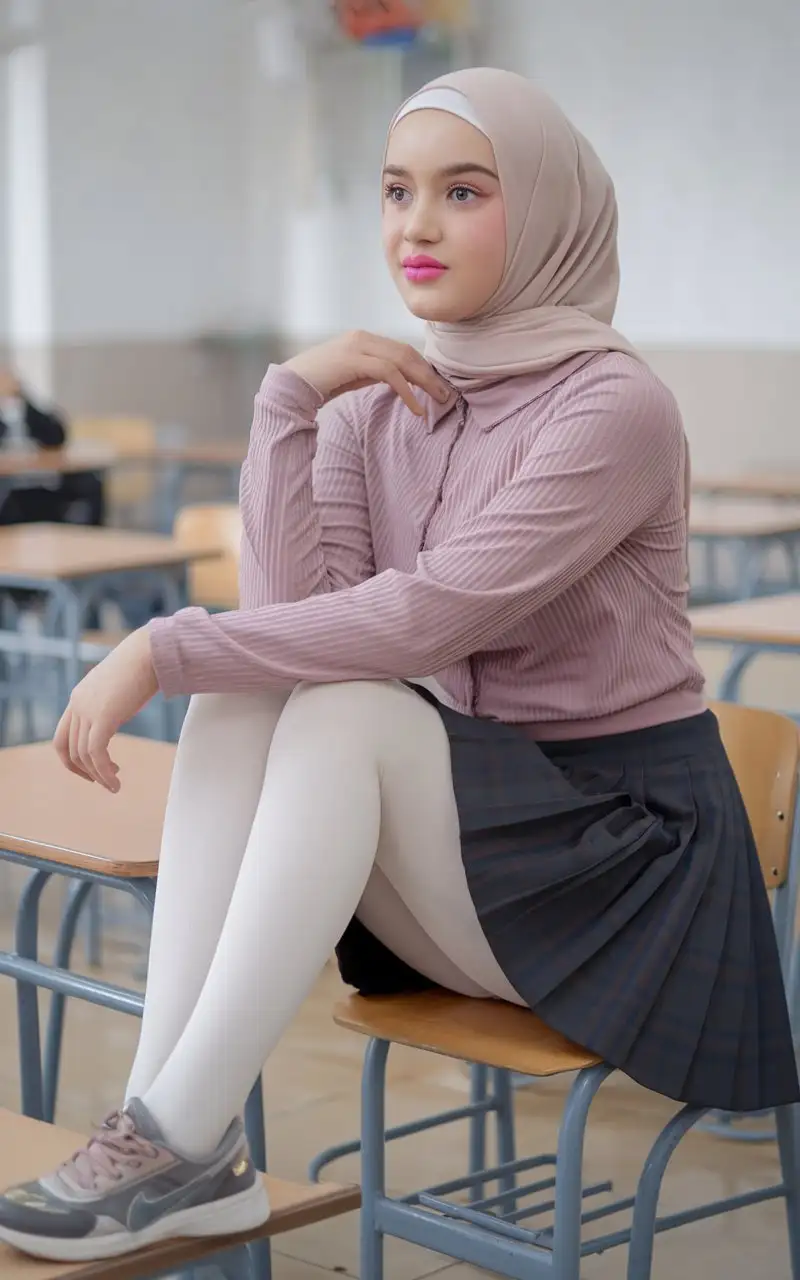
{"points": [[552, 819]]}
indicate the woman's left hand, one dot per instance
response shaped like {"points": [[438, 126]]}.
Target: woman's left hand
{"points": [[106, 698]]}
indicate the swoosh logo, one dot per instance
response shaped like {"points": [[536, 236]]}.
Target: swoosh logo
{"points": [[145, 1209]]}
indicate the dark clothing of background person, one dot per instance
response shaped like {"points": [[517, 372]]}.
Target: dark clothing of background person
{"points": [[75, 498]]}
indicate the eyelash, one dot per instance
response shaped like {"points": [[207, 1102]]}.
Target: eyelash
{"points": [[458, 186]]}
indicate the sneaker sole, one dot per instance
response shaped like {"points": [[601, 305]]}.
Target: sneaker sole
{"points": [[229, 1217]]}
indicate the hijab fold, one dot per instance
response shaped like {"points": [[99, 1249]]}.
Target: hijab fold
{"points": [[558, 293]]}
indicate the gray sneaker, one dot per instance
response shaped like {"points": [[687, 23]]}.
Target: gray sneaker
{"points": [[127, 1189]]}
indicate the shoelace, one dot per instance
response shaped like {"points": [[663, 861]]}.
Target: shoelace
{"points": [[115, 1147]]}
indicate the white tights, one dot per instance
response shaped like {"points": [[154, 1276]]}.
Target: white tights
{"points": [[286, 817]]}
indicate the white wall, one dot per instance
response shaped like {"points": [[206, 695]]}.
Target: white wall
{"points": [[695, 109], [314, 196], [147, 154], [190, 194]]}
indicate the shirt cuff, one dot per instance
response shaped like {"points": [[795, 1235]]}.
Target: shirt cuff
{"points": [[165, 652], [285, 391]]}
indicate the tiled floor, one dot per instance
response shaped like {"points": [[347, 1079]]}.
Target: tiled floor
{"points": [[312, 1100]]}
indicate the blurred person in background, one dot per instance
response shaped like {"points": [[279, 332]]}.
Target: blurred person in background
{"points": [[76, 498], [457, 726]]}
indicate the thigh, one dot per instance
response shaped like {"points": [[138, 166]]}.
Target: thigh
{"points": [[387, 917], [419, 850]]}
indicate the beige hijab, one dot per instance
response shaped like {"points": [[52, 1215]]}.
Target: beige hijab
{"points": [[557, 296]]}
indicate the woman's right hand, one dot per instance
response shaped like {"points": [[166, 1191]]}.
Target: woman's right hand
{"points": [[362, 359]]}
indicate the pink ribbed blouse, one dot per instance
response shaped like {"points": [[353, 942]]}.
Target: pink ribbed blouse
{"points": [[525, 545]]}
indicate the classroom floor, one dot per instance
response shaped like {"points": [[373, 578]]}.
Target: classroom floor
{"points": [[312, 1088]]}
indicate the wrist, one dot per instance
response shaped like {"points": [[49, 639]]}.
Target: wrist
{"points": [[299, 366], [140, 644]]}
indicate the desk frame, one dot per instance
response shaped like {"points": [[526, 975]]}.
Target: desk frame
{"points": [[38, 1074]]}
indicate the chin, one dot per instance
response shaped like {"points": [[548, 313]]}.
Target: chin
{"points": [[428, 307]]}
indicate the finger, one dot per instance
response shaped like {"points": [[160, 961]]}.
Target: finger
{"points": [[414, 367], [61, 744], [104, 768], [386, 371], [421, 374], [61, 738], [72, 760], [84, 760]]}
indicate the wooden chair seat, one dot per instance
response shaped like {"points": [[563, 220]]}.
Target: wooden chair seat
{"points": [[51, 814], [486, 1031], [27, 1147]]}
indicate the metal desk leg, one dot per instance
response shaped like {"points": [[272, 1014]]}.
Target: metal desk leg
{"points": [[79, 891], [710, 566], [169, 494], [730, 683], [749, 555], [27, 946]]}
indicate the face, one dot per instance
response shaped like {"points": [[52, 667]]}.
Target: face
{"points": [[444, 231]]}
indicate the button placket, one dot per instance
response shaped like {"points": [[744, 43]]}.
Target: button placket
{"points": [[463, 409], [437, 502]]}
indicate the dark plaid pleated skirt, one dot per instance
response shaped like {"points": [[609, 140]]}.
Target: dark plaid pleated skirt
{"points": [[617, 883]]}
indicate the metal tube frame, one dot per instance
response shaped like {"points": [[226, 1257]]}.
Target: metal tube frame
{"points": [[749, 555], [486, 1233], [497, 1101], [39, 1080]]}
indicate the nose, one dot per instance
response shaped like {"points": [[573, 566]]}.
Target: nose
{"points": [[422, 224]]}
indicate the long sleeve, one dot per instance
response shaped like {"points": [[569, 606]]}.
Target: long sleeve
{"points": [[604, 463], [303, 498], [47, 429]]}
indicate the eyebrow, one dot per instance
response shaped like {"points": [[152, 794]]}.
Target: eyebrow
{"points": [[450, 171]]}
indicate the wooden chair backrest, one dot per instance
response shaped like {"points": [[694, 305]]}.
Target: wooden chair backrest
{"points": [[130, 437], [764, 750], [213, 583]]}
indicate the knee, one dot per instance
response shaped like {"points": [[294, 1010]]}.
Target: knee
{"points": [[346, 697], [216, 711], [366, 708]]}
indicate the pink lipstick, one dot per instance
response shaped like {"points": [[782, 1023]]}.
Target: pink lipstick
{"points": [[419, 267]]}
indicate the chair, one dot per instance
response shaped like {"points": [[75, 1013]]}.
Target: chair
{"points": [[213, 583], [28, 1146], [764, 750], [130, 485]]}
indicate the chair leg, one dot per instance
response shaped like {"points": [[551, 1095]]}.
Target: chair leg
{"points": [[373, 1156], [260, 1251], [254, 1125], [27, 947], [476, 1160], [569, 1173], [62, 956], [788, 1119], [239, 1265], [506, 1138], [94, 929], [259, 1255], [645, 1209]]}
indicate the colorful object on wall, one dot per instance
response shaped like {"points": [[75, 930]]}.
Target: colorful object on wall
{"points": [[381, 22], [452, 14]]}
